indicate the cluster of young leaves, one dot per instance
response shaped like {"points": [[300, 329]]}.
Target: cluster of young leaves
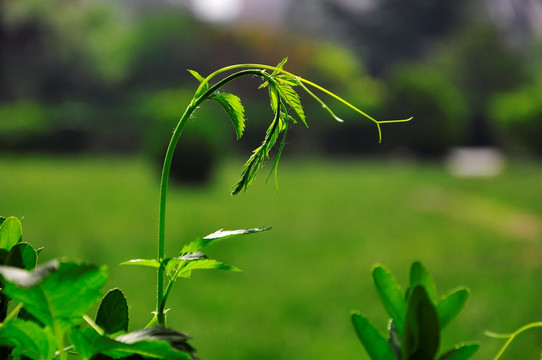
{"points": [[283, 100], [191, 258], [417, 319], [45, 304]]}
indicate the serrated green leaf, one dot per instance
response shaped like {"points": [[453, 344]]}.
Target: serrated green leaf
{"points": [[29, 338], [219, 235], [422, 332], [290, 97], [451, 305], [57, 294], [235, 110], [461, 352], [112, 314], [273, 97], [391, 295], [88, 343], [10, 233], [419, 275], [376, 345], [142, 262], [22, 256]]}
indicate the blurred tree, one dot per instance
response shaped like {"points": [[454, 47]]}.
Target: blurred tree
{"points": [[390, 31], [479, 62]]}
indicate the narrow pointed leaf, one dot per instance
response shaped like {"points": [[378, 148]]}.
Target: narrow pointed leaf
{"points": [[422, 332], [235, 110], [112, 314], [451, 305], [196, 75], [419, 275], [10, 233], [376, 345], [59, 294], [391, 295], [280, 66], [29, 338], [204, 85], [461, 352], [199, 244], [143, 262]]}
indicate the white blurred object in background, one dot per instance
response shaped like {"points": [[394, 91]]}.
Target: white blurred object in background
{"points": [[475, 162]]}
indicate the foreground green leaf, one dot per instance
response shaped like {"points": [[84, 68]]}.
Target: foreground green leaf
{"points": [[461, 352], [10, 233], [451, 305], [143, 262], [376, 345], [422, 333], [57, 294], [22, 256], [88, 343], [29, 338], [235, 110], [112, 314], [419, 275], [391, 296], [199, 244], [183, 267]]}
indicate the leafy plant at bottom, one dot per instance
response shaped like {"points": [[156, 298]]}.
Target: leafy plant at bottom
{"points": [[55, 297], [417, 319]]}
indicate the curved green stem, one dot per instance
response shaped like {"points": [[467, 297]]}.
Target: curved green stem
{"points": [[165, 177], [512, 336]]}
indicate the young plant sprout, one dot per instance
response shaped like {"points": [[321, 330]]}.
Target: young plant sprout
{"points": [[286, 107]]}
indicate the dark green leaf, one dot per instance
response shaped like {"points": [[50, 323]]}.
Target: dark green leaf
{"points": [[58, 295], [112, 314], [88, 343], [2, 219], [218, 235], [461, 352], [422, 332], [451, 305], [391, 296], [29, 338], [22, 256], [235, 110], [419, 275], [10, 233], [376, 345]]}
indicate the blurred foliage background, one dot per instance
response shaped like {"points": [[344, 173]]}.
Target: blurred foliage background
{"points": [[90, 92]]}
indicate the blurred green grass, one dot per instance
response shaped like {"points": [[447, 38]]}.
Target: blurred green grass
{"points": [[332, 221]]}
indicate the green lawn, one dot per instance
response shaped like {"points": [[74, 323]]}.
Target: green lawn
{"points": [[332, 221]]}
